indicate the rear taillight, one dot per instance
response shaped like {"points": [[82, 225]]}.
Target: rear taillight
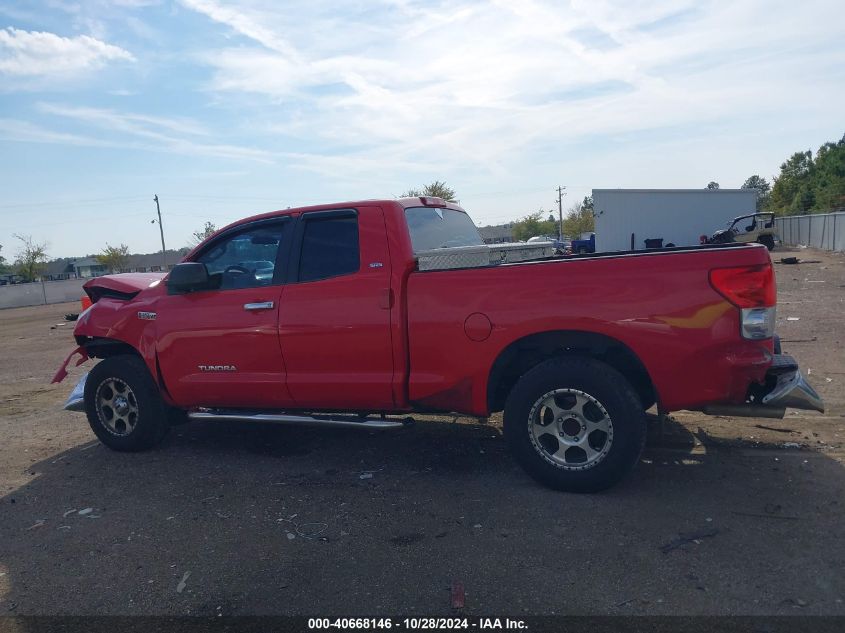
{"points": [[746, 286], [752, 290]]}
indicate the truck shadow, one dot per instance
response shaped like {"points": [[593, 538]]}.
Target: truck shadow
{"points": [[243, 518]]}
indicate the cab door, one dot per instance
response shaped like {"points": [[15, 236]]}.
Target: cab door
{"points": [[334, 318], [219, 347]]}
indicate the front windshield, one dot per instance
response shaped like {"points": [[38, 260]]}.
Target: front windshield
{"points": [[432, 227]]}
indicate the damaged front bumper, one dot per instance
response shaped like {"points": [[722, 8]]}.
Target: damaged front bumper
{"points": [[785, 386], [76, 400]]}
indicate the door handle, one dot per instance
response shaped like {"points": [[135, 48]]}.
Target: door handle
{"points": [[263, 305]]}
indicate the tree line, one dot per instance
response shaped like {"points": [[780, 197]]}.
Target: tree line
{"points": [[807, 183]]}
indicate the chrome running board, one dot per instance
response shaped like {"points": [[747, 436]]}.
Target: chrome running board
{"points": [[300, 420]]}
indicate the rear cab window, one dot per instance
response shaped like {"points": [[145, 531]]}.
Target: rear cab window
{"points": [[436, 227]]}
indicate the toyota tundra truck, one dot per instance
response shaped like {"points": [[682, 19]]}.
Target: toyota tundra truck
{"points": [[361, 313]]}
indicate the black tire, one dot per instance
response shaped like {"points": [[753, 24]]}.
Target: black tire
{"points": [[598, 382], [768, 241], [127, 377]]}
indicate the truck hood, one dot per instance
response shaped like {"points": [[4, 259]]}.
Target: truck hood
{"points": [[124, 285]]}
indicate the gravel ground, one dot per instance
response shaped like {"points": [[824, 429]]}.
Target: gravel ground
{"points": [[723, 516]]}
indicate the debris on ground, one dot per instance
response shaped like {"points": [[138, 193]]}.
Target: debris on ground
{"points": [[305, 530], [789, 260], [791, 445], [183, 583], [765, 516], [688, 537], [85, 511], [458, 595], [771, 428], [793, 318], [368, 474], [72, 316], [37, 524]]}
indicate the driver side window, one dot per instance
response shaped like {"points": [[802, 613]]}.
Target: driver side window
{"points": [[246, 259]]}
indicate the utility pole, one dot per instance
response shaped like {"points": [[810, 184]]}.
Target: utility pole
{"points": [[161, 230], [560, 194]]}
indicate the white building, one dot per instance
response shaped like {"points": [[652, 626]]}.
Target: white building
{"points": [[625, 218]]}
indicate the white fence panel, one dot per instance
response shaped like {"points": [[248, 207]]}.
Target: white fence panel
{"points": [[38, 293], [821, 230]]}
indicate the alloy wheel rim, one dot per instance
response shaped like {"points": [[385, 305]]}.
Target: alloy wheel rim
{"points": [[570, 429], [117, 406]]}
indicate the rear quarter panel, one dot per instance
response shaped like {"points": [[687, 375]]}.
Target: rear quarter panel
{"points": [[660, 305]]}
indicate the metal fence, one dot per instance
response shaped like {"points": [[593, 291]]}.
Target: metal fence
{"points": [[41, 293], [821, 230]]}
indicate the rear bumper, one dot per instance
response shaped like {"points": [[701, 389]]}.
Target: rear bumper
{"points": [[793, 391], [785, 387]]}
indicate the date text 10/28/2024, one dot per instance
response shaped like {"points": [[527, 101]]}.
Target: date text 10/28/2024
{"points": [[430, 624]]}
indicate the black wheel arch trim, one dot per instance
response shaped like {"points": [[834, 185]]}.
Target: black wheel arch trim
{"points": [[528, 351]]}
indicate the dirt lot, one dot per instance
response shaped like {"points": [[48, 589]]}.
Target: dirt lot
{"points": [[245, 519]]}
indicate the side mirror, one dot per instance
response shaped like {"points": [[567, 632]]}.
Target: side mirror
{"points": [[188, 276]]}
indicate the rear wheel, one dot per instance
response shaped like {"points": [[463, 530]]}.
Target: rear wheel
{"points": [[123, 404], [768, 241], [575, 424]]}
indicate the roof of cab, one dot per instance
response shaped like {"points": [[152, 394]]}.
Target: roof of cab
{"points": [[403, 202]]}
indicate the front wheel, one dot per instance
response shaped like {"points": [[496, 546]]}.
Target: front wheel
{"points": [[123, 405], [575, 424]]}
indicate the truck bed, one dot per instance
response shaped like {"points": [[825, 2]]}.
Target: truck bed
{"points": [[658, 304]]}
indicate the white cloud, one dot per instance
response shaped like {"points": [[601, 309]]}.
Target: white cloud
{"points": [[38, 53], [132, 123], [484, 84], [153, 133], [247, 25], [24, 131]]}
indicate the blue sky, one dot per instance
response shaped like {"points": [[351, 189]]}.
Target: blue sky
{"points": [[228, 109]]}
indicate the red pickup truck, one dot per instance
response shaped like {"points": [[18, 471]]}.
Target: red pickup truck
{"points": [[344, 314]]}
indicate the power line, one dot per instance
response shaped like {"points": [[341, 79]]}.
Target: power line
{"points": [[71, 203], [76, 220]]}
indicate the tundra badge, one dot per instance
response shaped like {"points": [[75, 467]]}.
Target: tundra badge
{"points": [[147, 316], [217, 368]]}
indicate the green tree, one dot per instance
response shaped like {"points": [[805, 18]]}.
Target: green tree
{"points": [[827, 178], [763, 190], [533, 225], [31, 258], [808, 184], [114, 257], [712, 185], [579, 219], [791, 192], [587, 203], [436, 189], [200, 236], [4, 267]]}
